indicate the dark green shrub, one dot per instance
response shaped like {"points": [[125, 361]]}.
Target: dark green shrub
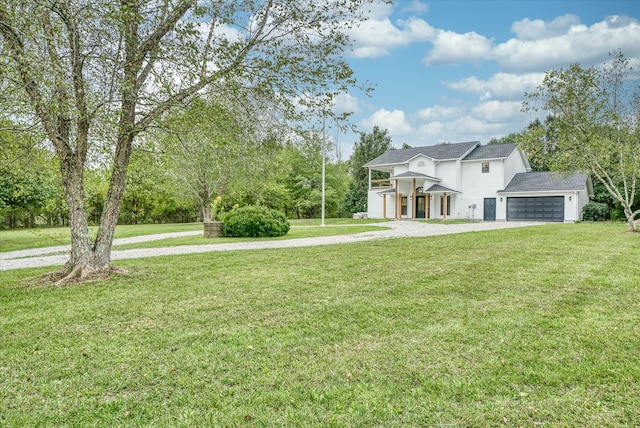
{"points": [[595, 211], [255, 222]]}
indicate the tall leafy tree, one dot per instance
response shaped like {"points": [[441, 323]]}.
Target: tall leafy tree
{"points": [[539, 138], [595, 116], [304, 180], [207, 147], [28, 188], [370, 146], [96, 74]]}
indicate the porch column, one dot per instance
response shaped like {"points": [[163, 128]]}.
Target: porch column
{"points": [[384, 206], [444, 207], [397, 207], [427, 213], [413, 200]]}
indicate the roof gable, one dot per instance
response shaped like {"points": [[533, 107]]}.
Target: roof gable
{"points": [[439, 152]]}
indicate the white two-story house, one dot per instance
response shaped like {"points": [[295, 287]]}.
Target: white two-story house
{"points": [[472, 181]]}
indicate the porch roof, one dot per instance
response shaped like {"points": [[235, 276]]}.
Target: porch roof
{"points": [[412, 174], [436, 188], [387, 192]]}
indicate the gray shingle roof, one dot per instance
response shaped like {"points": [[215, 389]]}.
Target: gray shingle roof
{"points": [[546, 181], [411, 174], [387, 192], [438, 188], [440, 152], [493, 151]]}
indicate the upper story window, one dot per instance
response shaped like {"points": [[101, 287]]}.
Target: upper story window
{"points": [[485, 167], [421, 164]]}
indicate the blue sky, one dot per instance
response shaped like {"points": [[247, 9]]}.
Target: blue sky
{"points": [[457, 70]]}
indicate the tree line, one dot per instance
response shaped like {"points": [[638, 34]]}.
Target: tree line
{"points": [[168, 183]]}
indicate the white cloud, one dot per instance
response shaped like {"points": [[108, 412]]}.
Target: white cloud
{"points": [[439, 113], [416, 6], [345, 103], [376, 38], [395, 121], [379, 9], [527, 29], [578, 43], [497, 111], [503, 86], [454, 48]]}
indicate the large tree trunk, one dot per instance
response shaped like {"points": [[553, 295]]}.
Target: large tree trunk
{"points": [[89, 258], [631, 220], [205, 206]]}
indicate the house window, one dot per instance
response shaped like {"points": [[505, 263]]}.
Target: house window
{"points": [[404, 205], [485, 167], [421, 164]]}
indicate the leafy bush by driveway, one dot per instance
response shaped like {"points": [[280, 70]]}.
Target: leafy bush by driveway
{"points": [[255, 222]]}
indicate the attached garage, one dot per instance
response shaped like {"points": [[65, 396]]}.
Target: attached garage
{"points": [[544, 196], [537, 208]]}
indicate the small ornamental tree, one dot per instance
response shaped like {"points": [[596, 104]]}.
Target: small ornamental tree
{"points": [[596, 113]]}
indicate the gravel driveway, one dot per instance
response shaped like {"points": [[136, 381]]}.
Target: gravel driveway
{"points": [[57, 256]]}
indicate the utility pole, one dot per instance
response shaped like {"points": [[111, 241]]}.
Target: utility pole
{"points": [[323, 149]]}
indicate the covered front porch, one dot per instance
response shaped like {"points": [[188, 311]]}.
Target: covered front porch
{"points": [[417, 196]]}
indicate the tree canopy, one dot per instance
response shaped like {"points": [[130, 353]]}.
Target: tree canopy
{"points": [[96, 75], [368, 147], [595, 126]]}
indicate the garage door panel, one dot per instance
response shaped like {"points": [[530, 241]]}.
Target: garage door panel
{"points": [[545, 208]]}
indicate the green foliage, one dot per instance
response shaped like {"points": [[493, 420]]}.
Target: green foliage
{"points": [[151, 195], [208, 148], [355, 200], [30, 194], [595, 211], [370, 146], [539, 141], [507, 139], [304, 178], [255, 222], [595, 126], [96, 76]]}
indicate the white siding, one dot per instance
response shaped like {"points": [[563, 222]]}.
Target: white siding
{"points": [[513, 165], [447, 171], [375, 205], [477, 185], [423, 165]]}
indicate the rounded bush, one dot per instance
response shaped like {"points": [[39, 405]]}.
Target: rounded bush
{"points": [[255, 222], [595, 211]]}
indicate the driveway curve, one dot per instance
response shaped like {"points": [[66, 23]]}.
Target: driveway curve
{"points": [[57, 256]]}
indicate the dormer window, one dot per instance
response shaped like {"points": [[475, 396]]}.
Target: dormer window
{"points": [[485, 167]]}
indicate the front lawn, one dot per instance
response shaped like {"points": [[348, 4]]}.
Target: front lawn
{"points": [[21, 239], [516, 327]]}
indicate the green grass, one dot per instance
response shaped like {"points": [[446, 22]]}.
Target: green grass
{"points": [[536, 326], [20, 239]]}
